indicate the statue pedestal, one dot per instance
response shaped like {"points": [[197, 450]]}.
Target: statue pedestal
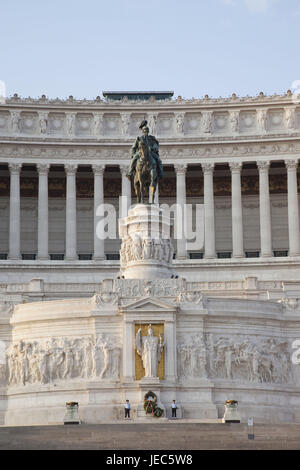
{"points": [[146, 250]]}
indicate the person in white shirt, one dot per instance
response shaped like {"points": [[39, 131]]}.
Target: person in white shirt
{"points": [[174, 407], [127, 409]]}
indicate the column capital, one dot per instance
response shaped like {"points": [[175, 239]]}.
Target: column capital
{"points": [[207, 167], [70, 168], [263, 165], [180, 168], [15, 168], [98, 169], [235, 166], [123, 169], [43, 168], [291, 164]]}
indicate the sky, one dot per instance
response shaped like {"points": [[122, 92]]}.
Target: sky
{"points": [[192, 47]]}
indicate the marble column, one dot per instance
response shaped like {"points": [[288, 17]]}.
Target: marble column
{"points": [[43, 170], [98, 200], [209, 211], [264, 209], [71, 235], [126, 191], [14, 211], [180, 170], [293, 208], [237, 211]]}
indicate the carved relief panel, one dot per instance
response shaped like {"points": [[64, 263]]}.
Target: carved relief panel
{"points": [[165, 124], [112, 124], [56, 123], [192, 123], [4, 122], [28, 123], [84, 124], [62, 359], [220, 123], [248, 124]]}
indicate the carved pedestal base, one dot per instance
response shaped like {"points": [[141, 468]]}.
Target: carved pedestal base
{"points": [[146, 250]]}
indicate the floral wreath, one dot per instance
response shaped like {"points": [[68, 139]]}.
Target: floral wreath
{"points": [[150, 405]]}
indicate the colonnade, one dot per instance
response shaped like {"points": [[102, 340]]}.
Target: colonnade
{"points": [[180, 169]]}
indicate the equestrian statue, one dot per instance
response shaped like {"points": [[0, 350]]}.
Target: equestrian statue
{"points": [[145, 167]]}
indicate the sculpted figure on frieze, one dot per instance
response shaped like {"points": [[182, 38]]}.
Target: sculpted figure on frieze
{"points": [[191, 357], [250, 359], [63, 359]]}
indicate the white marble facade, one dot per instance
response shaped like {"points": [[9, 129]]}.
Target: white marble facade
{"points": [[67, 327]]}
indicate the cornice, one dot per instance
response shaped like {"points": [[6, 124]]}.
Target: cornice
{"points": [[179, 102]]}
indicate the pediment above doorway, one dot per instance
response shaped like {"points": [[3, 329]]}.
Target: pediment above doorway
{"points": [[149, 304]]}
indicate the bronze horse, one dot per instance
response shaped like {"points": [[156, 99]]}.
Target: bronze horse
{"points": [[145, 174]]}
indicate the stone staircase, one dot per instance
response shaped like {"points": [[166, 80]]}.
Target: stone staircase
{"points": [[171, 435]]}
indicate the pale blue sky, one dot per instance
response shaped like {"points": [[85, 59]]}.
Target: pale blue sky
{"points": [[194, 47]]}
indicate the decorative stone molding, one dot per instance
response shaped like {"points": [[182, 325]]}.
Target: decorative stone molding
{"points": [[262, 120], [291, 164], [70, 168], [15, 168], [191, 153], [235, 166], [263, 165], [234, 121], [207, 167], [152, 121], [125, 119], [98, 170], [43, 168], [290, 118], [70, 123], [43, 122], [179, 118], [14, 121], [123, 169], [207, 121], [180, 168], [98, 124]]}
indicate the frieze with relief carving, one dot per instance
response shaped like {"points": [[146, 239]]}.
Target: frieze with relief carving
{"points": [[64, 359], [249, 359]]}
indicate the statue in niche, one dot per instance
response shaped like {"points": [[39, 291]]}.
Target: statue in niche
{"points": [[145, 167], [150, 349]]}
